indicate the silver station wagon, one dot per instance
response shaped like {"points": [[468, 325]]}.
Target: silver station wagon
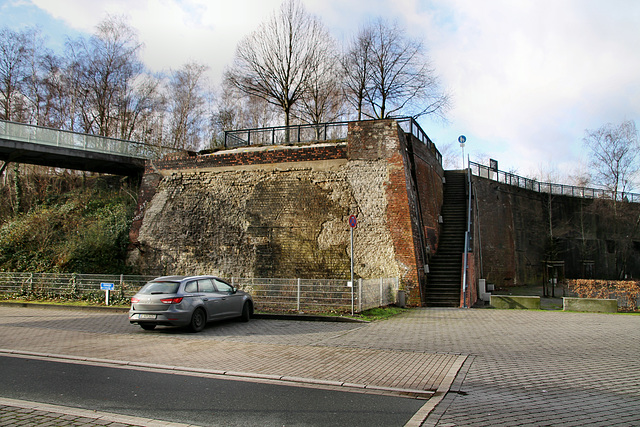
{"points": [[188, 301]]}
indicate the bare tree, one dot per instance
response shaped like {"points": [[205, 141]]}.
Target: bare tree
{"points": [[108, 64], [140, 108], [613, 156], [614, 163], [356, 63], [34, 88], [13, 71], [450, 155], [277, 60], [186, 106], [323, 99], [399, 78], [235, 110]]}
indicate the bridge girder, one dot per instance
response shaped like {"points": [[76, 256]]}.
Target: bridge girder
{"points": [[61, 157]]}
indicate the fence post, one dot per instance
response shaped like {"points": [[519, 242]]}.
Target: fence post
{"points": [[381, 292], [359, 295], [298, 297]]}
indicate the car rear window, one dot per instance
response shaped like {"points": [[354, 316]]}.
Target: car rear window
{"points": [[160, 288]]}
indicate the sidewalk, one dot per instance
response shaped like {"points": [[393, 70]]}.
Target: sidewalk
{"points": [[23, 413], [513, 367]]}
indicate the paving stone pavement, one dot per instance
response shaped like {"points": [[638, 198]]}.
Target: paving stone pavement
{"points": [[21, 413], [518, 367]]}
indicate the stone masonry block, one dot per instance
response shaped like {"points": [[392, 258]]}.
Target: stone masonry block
{"points": [[590, 305], [515, 302]]}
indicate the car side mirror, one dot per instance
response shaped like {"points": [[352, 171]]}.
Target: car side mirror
{"points": [[234, 289]]}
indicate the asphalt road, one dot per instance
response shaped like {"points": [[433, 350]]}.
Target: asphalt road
{"points": [[195, 400]]}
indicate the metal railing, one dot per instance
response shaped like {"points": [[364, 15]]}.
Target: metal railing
{"points": [[273, 295], [546, 187], [409, 125], [334, 131], [467, 235], [80, 141]]}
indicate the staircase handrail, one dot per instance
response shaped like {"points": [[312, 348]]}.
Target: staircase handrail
{"points": [[466, 240]]}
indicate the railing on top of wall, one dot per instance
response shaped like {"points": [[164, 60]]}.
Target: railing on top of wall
{"points": [[274, 295], [546, 187], [334, 131]]}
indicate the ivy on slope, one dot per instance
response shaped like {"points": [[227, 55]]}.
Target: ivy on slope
{"points": [[82, 231]]}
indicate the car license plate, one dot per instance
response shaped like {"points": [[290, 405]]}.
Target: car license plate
{"points": [[147, 316]]}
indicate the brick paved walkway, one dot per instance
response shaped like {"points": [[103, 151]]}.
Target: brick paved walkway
{"points": [[520, 367], [21, 413]]}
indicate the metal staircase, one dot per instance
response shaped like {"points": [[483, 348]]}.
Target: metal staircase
{"points": [[444, 279]]}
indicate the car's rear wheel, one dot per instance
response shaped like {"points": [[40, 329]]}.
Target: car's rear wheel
{"points": [[246, 312], [148, 326], [198, 320]]}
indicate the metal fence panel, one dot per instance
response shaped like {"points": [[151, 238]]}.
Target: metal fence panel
{"points": [[270, 294]]}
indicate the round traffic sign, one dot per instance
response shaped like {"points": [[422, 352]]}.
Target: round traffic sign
{"points": [[462, 139], [353, 221]]}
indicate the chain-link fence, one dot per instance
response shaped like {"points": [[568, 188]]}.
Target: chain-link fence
{"points": [[270, 295]]}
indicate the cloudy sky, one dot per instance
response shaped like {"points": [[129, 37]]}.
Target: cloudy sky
{"points": [[527, 77]]}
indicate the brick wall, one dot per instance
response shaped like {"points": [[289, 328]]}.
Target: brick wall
{"points": [[516, 236], [251, 156], [414, 194]]}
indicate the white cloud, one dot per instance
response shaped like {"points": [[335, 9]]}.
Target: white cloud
{"points": [[173, 32], [530, 76]]}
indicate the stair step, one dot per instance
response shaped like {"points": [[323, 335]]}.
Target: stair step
{"points": [[445, 267]]}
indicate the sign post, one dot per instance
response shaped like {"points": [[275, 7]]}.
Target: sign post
{"points": [[462, 139], [107, 287], [353, 222]]}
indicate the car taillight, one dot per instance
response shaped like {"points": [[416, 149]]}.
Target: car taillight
{"points": [[134, 300], [175, 300]]}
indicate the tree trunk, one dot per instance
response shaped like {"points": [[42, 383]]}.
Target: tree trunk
{"points": [[17, 188]]}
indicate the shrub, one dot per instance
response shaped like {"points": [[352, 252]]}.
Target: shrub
{"points": [[626, 291], [81, 231]]}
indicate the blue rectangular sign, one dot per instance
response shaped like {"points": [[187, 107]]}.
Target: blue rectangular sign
{"points": [[107, 286]]}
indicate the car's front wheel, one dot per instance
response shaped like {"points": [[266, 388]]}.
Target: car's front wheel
{"points": [[198, 320]]}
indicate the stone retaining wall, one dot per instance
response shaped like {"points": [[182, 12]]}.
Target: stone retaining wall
{"points": [[283, 211]]}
